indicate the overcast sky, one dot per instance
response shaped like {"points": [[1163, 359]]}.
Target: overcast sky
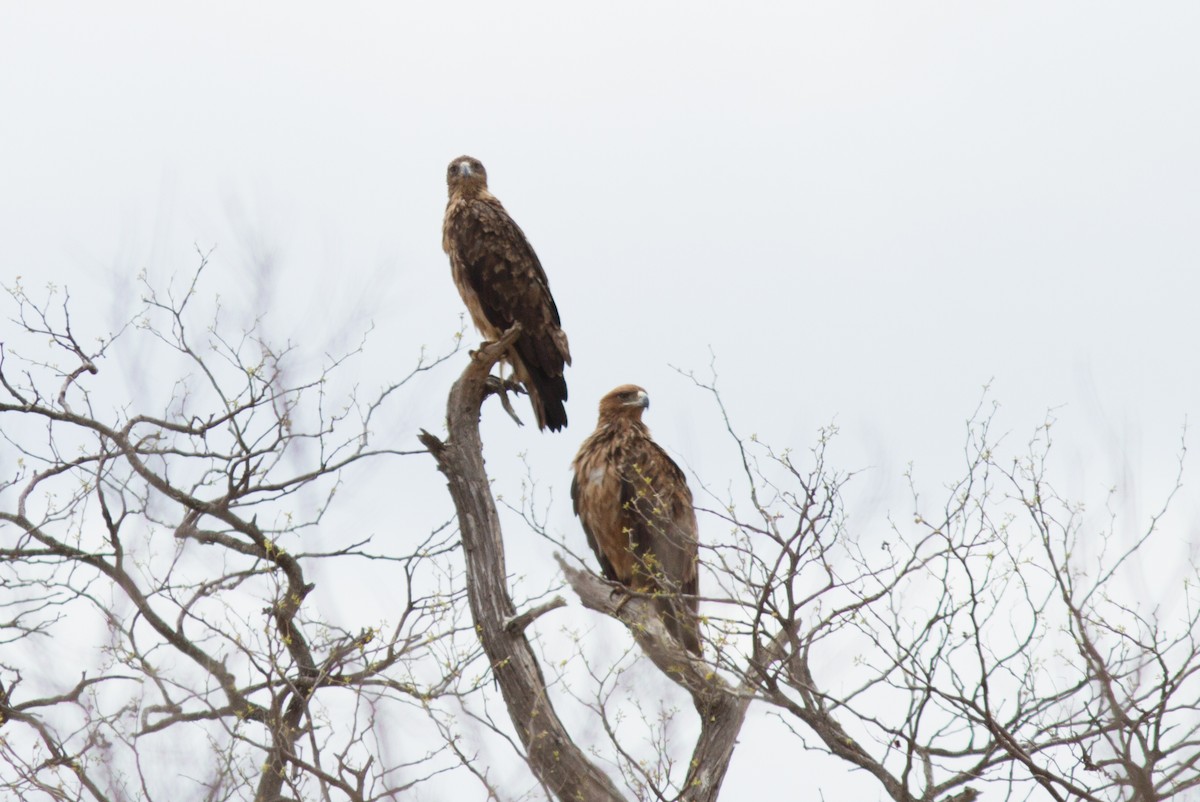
{"points": [[866, 211]]}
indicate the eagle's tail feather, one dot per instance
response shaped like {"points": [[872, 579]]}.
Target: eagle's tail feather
{"points": [[548, 394], [681, 622]]}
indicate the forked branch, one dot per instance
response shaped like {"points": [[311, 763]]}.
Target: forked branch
{"points": [[722, 708], [552, 755]]}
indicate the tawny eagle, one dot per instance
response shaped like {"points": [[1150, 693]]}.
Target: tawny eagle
{"points": [[636, 509], [502, 283]]}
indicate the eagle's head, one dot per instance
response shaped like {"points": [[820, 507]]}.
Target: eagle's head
{"points": [[466, 175], [625, 402]]}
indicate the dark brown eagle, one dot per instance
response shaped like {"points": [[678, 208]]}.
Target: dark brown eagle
{"points": [[636, 509], [502, 283]]}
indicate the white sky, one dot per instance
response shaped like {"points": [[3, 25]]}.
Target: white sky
{"points": [[866, 210]]}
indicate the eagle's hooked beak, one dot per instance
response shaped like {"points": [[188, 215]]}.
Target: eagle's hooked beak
{"points": [[464, 169], [642, 400]]}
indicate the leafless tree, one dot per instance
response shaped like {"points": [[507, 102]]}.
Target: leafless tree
{"points": [[989, 651], [159, 641], [164, 635]]}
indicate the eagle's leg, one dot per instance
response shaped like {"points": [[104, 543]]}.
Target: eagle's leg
{"points": [[501, 387], [625, 597]]}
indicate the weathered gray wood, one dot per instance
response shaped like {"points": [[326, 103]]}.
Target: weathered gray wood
{"points": [[551, 753], [722, 708]]}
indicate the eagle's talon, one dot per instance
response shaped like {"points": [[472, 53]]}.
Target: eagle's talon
{"points": [[500, 387], [625, 597]]}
